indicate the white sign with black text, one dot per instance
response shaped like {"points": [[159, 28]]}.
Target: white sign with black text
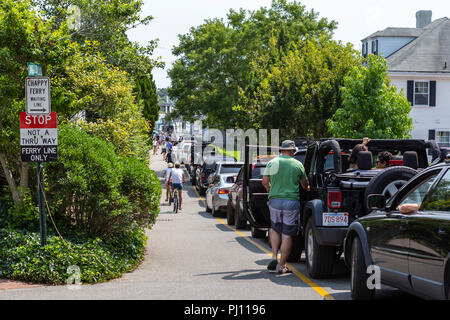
{"points": [[37, 91]]}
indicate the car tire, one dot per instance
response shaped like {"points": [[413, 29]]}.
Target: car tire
{"points": [[230, 213], [387, 182], [215, 213], [359, 276], [258, 233], [297, 249], [319, 259], [239, 222]]}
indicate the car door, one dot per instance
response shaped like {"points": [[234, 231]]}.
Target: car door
{"points": [[430, 240], [235, 188], [389, 234]]}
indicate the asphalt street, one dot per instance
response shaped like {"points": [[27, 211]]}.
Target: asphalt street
{"points": [[194, 256]]}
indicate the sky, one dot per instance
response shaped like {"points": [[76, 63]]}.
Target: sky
{"points": [[356, 20]]}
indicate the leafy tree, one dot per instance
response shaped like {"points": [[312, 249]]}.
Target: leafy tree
{"points": [[145, 90], [215, 59], [371, 106], [297, 89], [24, 37]]}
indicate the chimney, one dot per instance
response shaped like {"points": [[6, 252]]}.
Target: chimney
{"points": [[423, 18]]}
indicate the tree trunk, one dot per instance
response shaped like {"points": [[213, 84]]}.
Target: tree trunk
{"points": [[24, 177], [17, 197]]}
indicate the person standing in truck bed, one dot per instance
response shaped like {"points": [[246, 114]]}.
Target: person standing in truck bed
{"points": [[282, 179]]}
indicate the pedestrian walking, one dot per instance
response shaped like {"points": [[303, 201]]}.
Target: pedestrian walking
{"points": [[282, 179], [163, 149], [177, 177]]}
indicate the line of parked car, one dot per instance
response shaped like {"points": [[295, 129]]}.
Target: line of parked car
{"points": [[348, 211]]}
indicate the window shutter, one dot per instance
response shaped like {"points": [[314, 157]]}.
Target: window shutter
{"points": [[410, 92], [376, 47], [431, 134], [432, 93]]}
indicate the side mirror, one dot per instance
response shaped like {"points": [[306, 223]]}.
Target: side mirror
{"points": [[376, 202]]}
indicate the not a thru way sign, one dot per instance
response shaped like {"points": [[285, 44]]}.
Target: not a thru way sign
{"points": [[38, 137]]}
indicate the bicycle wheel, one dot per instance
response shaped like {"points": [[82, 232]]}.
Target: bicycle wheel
{"points": [[175, 202]]}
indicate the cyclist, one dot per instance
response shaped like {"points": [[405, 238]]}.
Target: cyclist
{"points": [[177, 177], [167, 173]]}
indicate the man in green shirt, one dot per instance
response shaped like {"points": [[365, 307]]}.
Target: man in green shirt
{"points": [[282, 179]]}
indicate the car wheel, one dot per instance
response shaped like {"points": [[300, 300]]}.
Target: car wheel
{"points": [[230, 213], [214, 212], [258, 233], [359, 276], [388, 182], [319, 259], [208, 209], [240, 223], [297, 249]]}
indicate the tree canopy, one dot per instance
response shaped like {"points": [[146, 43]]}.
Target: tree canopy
{"points": [[216, 59], [371, 106]]}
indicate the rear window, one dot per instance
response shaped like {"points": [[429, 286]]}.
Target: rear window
{"points": [[300, 157], [258, 172], [230, 169]]}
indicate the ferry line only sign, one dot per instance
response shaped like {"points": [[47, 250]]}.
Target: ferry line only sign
{"points": [[38, 137], [37, 92]]}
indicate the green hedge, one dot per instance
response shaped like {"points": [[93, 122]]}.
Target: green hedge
{"points": [[94, 190], [22, 258]]}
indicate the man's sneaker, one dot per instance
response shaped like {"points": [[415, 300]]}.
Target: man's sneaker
{"points": [[272, 267]]}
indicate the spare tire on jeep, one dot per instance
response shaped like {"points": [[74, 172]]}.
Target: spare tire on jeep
{"points": [[388, 182]]}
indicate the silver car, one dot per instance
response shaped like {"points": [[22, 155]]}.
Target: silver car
{"points": [[220, 182]]}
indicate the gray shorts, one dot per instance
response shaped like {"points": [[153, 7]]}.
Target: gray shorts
{"points": [[284, 216]]}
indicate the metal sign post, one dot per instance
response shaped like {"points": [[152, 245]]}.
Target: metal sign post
{"points": [[42, 215]]}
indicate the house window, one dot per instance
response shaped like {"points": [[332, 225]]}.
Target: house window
{"points": [[443, 138], [421, 93]]}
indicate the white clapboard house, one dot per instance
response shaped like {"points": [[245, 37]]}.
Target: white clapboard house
{"points": [[419, 63]]}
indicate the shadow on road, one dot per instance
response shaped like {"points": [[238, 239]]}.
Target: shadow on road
{"points": [[283, 280]]}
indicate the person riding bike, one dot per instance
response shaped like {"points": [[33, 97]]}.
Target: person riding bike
{"points": [[167, 173], [178, 178]]}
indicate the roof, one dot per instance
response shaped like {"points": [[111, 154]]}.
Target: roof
{"points": [[396, 32], [428, 53]]}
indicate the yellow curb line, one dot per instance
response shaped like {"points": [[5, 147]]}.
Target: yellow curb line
{"points": [[325, 295]]}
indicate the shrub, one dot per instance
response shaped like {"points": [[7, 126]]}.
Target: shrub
{"points": [[22, 258], [143, 190], [94, 190]]}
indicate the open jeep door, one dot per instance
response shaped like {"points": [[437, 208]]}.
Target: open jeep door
{"points": [[255, 196]]}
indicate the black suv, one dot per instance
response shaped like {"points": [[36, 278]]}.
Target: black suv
{"points": [[339, 195]]}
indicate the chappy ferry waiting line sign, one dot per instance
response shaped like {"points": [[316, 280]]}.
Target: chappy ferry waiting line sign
{"points": [[38, 137], [37, 91]]}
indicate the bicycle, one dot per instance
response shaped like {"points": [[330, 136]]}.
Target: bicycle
{"points": [[170, 194], [175, 201]]}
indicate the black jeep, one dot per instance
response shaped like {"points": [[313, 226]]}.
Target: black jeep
{"points": [[339, 195]]}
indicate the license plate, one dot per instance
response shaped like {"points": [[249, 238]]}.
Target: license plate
{"points": [[335, 219]]}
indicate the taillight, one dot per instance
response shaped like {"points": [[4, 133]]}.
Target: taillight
{"points": [[334, 199], [224, 191]]}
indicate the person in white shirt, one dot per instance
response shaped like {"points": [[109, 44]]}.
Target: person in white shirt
{"points": [[167, 173], [177, 178]]}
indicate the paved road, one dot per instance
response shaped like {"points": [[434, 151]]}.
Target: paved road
{"points": [[192, 255]]}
